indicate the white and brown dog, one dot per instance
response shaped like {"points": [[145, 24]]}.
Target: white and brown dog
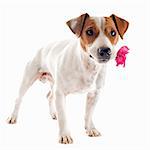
{"points": [[73, 66]]}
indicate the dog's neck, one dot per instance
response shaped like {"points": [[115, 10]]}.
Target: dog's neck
{"points": [[88, 62]]}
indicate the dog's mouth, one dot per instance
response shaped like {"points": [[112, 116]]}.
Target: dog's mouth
{"points": [[103, 60], [100, 60]]}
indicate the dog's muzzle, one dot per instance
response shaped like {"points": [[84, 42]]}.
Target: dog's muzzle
{"points": [[104, 54]]}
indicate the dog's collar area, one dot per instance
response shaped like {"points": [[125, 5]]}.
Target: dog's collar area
{"points": [[91, 56]]}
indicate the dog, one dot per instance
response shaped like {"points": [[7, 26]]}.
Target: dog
{"points": [[73, 66]]}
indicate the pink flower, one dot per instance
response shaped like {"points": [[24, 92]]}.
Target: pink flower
{"points": [[121, 56]]}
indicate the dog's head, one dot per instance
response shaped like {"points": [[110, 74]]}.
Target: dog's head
{"points": [[98, 35]]}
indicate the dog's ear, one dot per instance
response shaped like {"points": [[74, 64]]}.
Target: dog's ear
{"points": [[121, 25], [76, 25]]}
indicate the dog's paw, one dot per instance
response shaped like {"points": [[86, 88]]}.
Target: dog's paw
{"points": [[65, 139], [53, 115], [12, 120], [93, 132]]}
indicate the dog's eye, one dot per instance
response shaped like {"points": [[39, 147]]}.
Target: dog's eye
{"points": [[113, 33], [89, 32]]}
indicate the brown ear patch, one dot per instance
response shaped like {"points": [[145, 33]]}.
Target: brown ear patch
{"points": [[77, 24], [109, 26], [121, 24], [85, 38]]}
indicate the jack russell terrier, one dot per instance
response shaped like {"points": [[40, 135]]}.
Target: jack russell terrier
{"points": [[74, 66]]}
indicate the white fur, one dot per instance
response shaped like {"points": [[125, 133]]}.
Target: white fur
{"points": [[72, 70]]}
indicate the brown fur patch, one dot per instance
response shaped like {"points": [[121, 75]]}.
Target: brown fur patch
{"points": [[108, 27], [121, 25], [76, 25], [86, 39]]}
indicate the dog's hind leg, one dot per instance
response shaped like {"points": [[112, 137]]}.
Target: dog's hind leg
{"points": [[51, 102], [46, 76], [30, 75]]}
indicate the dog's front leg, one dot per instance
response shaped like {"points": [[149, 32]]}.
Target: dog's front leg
{"points": [[64, 134], [92, 98]]}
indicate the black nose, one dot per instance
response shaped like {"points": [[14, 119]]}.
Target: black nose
{"points": [[104, 52]]}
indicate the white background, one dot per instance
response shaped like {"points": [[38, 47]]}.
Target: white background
{"points": [[122, 114]]}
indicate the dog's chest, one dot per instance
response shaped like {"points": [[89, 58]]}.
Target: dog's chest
{"points": [[83, 80], [89, 74]]}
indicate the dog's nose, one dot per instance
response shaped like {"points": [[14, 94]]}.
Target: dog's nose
{"points": [[104, 52]]}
